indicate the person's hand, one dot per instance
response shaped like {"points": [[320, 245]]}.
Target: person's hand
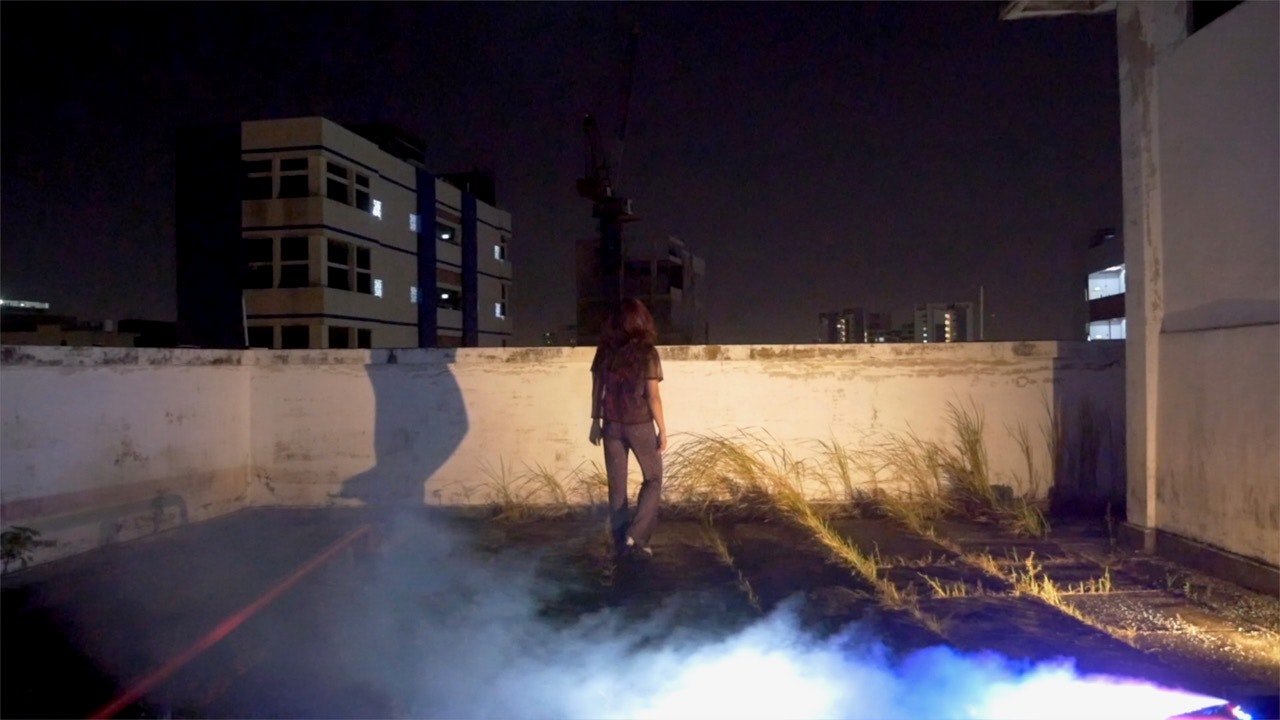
{"points": [[662, 442], [596, 433]]}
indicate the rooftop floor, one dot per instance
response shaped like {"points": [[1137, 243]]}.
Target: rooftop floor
{"points": [[439, 614]]}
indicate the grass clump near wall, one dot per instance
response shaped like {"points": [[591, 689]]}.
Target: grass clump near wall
{"points": [[903, 476]]}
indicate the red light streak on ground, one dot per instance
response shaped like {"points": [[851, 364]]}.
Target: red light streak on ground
{"points": [[224, 628]]}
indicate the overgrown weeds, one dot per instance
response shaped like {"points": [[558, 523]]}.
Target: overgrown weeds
{"points": [[721, 549], [538, 492]]}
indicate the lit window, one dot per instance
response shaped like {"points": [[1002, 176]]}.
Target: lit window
{"points": [[446, 233], [500, 310], [377, 208], [377, 287], [449, 299], [1105, 283], [413, 294], [413, 222]]}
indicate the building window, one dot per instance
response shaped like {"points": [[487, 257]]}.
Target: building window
{"points": [[338, 274], [269, 178], [295, 337], [290, 268], [446, 233], [337, 185], [295, 261], [377, 209], [339, 337], [449, 299], [257, 179], [500, 310], [364, 273], [1113, 329], [262, 336], [362, 193], [259, 254], [500, 250], [413, 222], [364, 338], [293, 178], [348, 267], [1106, 282], [413, 294]]}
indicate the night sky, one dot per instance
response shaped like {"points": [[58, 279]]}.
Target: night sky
{"points": [[817, 155]]}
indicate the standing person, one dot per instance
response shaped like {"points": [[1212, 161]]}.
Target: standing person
{"points": [[625, 407]]}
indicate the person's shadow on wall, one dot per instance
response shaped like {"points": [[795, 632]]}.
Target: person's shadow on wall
{"points": [[419, 421]]}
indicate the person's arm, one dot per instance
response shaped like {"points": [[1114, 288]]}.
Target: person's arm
{"points": [[655, 407], [597, 390]]}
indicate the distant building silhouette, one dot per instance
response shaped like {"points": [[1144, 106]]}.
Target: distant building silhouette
{"points": [[853, 325], [663, 273], [945, 322]]}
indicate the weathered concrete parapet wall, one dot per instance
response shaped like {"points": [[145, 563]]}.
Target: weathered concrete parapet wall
{"points": [[101, 445], [466, 425], [104, 444]]}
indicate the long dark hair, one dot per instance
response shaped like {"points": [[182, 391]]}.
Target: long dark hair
{"points": [[628, 336]]}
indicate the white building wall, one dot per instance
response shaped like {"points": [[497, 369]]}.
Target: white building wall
{"points": [[103, 444], [1218, 438]]}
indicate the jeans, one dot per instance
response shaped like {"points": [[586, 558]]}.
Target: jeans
{"points": [[642, 440]]}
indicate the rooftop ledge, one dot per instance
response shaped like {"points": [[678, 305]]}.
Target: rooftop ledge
{"points": [[874, 353]]}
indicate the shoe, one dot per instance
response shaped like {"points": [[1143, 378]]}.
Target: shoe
{"points": [[638, 552]]}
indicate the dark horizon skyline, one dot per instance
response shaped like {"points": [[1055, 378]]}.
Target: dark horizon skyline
{"points": [[817, 156]]}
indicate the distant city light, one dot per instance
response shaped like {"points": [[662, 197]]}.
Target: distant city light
{"points": [[26, 304]]}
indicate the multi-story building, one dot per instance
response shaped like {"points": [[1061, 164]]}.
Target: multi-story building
{"points": [[302, 233], [853, 325], [942, 322], [662, 272], [1104, 290]]}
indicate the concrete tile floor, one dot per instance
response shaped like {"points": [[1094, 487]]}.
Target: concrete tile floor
{"points": [[78, 632]]}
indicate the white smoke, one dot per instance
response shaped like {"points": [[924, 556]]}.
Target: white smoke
{"points": [[459, 635]]}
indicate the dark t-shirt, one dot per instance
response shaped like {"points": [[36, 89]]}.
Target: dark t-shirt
{"points": [[625, 398]]}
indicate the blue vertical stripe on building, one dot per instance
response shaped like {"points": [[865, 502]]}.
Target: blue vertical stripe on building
{"points": [[470, 273], [427, 290]]}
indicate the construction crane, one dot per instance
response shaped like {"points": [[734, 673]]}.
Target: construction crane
{"points": [[598, 185]]}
